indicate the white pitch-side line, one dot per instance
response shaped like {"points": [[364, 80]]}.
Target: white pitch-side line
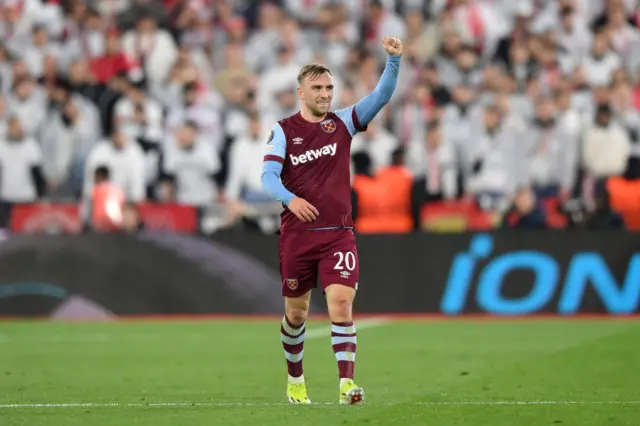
{"points": [[314, 333], [318, 333], [275, 404]]}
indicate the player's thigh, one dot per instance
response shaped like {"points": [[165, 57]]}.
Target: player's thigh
{"points": [[298, 270], [340, 264]]}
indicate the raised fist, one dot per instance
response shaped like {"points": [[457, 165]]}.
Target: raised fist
{"points": [[392, 45]]}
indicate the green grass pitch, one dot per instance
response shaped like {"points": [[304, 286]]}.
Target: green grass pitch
{"points": [[450, 372]]}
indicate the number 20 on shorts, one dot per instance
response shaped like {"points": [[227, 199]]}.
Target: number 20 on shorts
{"points": [[345, 260]]}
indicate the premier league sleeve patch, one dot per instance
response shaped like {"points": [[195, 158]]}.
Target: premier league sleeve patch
{"points": [[270, 137]]}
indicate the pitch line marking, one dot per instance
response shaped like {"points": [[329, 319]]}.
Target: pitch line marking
{"points": [[276, 404], [320, 332], [317, 332]]}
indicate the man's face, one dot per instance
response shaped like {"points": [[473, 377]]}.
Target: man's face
{"points": [[119, 140], [93, 22], [563, 101], [112, 43], [78, 71], [15, 129], [19, 70], [256, 128], [40, 37], [186, 137], [434, 139], [603, 118], [600, 45], [317, 93], [24, 89], [525, 201], [287, 99], [567, 20], [452, 43], [462, 95], [190, 97], [146, 25], [134, 94], [491, 118], [545, 110], [466, 60]]}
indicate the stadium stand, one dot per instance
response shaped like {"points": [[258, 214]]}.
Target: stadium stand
{"points": [[510, 113]]}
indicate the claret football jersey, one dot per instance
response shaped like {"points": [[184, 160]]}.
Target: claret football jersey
{"points": [[315, 160]]}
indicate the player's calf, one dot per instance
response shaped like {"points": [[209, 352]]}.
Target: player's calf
{"points": [[292, 334], [343, 340]]}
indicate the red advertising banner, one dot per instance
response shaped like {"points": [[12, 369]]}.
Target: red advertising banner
{"points": [[46, 218], [169, 217], [65, 218]]}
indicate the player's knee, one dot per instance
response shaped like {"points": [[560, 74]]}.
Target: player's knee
{"points": [[297, 316], [340, 305]]}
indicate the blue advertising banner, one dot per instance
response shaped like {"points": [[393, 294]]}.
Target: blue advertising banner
{"points": [[567, 282], [514, 273]]}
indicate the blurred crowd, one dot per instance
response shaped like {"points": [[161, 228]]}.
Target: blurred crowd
{"points": [[500, 103]]}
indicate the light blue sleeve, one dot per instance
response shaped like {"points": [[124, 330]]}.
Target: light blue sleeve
{"points": [[359, 116], [272, 166]]}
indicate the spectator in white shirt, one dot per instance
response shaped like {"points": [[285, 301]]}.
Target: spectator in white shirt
{"points": [[18, 18], [125, 161], [262, 43], [278, 77], [28, 103], [189, 168], [605, 146], [21, 179], [34, 52], [4, 117], [245, 166], [411, 115], [378, 142], [70, 132], [626, 114], [549, 155], [381, 21], [202, 107], [433, 162], [602, 62], [152, 47], [88, 42], [573, 34], [492, 177], [140, 117], [624, 37]]}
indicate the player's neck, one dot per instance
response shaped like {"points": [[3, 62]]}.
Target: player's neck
{"points": [[308, 116]]}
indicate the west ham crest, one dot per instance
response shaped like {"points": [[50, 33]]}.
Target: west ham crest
{"points": [[328, 126], [292, 283]]}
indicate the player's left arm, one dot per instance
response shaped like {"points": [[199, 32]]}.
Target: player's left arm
{"points": [[359, 116]]}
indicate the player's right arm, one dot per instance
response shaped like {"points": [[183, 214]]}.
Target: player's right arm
{"points": [[358, 116], [271, 182]]}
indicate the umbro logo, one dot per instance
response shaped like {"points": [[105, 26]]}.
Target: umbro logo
{"points": [[297, 141]]}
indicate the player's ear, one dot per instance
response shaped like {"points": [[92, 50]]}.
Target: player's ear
{"points": [[300, 93]]}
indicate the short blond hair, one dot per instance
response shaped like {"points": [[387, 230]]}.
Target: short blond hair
{"points": [[312, 71]]}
